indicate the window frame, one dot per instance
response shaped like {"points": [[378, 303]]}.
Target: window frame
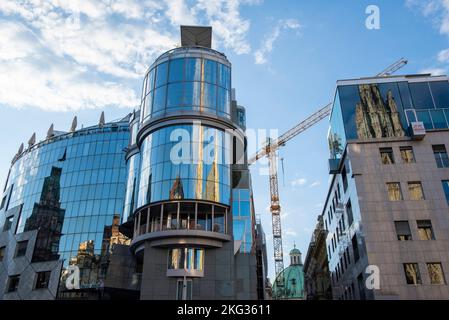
{"points": [[21, 252], [37, 285], [429, 226], [399, 230], [10, 279], [390, 198], [416, 183], [390, 155], [443, 278], [417, 271], [407, 148]]}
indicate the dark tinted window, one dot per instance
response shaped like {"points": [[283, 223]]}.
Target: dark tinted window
{"points": [[403, 230], [440, 92], [13, 283], [422, 99], [8, 223], [441, 158], [21, 248], [405, 95], [43, 279]]}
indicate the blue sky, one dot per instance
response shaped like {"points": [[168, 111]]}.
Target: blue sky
{"points": [[60, 58]]}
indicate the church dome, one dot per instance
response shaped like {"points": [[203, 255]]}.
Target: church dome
{"points": [[292, 279]]}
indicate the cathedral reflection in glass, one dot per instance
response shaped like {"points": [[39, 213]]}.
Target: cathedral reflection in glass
{"points": [[386, 109], [202, 173], [72, 187]]}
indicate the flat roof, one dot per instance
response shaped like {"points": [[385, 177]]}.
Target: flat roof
{"points": [[384, 79]]}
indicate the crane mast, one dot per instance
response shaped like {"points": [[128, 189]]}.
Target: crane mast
{"points": [[270, 151]]}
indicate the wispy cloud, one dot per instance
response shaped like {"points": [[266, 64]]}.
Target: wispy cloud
{"points": [[290, 232], [438, 12], [260, 55], [76, 54], [315, 184], [298, 182]]}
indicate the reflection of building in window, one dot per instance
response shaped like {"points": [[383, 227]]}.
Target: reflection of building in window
{"points": [[335, 145], [112, 236], [177, 190], [425, 230], [186, 258], [416, 191], [387, 156], [407, 154], [412, 274], [394, 191], [436, 273], [48, 217], [88, 264], [376, 117]]}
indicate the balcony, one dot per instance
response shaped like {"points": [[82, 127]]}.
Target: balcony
{"points": [[181, 223]]}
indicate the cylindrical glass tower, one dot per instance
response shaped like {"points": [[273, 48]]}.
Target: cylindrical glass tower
{"points": [[181, 191]]}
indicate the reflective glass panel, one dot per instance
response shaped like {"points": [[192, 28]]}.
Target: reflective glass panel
{"points": [[421, 96]]}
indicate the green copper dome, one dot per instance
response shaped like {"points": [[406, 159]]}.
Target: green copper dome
{"points": [[293, 279], [295, 251]]}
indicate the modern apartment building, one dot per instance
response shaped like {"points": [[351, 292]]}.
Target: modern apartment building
{"points": [[387, 209]]}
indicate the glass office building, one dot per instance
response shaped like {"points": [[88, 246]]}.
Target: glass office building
{"points": [[70, 187], [188, 212], [386, 205]]}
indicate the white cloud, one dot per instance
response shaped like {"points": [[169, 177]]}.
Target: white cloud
{"points": [[179, 13], [434, 71], [267, 45], [298, 182], [438, 12], [227, 24], [289, 232], [32, 77], [315, 184], [93, 53]]}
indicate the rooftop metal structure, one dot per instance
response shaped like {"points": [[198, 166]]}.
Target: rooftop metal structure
{"points": [[192, 36]]}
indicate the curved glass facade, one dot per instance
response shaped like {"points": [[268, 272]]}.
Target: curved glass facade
{"points": [[79, 179], [132, 184], [187, 83], [189, 161]]}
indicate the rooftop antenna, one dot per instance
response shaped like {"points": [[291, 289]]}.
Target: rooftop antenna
{"points": [[50, 132], [74, 124], [32, 140], [101, 123]]}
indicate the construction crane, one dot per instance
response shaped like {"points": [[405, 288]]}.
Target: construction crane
{"points": [[270, 149]]}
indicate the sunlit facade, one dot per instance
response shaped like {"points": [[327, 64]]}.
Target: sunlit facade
{"points": [[188, 206], [157, 205], [388, 199]]}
